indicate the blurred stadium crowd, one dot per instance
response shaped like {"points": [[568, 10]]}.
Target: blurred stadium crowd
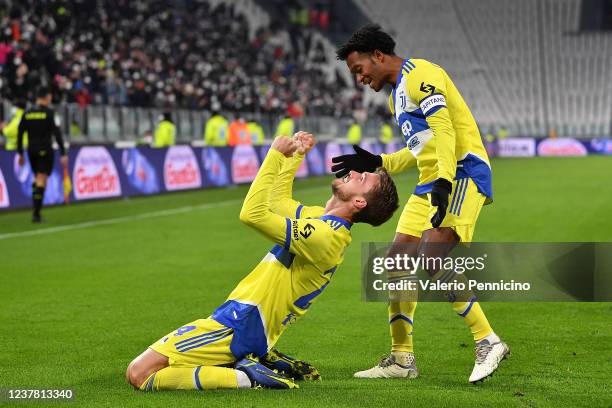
{"points": [[115, 65], [153, 54]]}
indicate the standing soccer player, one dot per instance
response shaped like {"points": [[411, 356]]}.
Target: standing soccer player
{"points": [[222, 350], [39, 123], [443, 141]]}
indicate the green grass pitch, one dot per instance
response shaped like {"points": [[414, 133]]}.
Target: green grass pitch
{"points": [[78, 304]]}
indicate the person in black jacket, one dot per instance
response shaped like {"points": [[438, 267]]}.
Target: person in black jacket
{"points": [[39, 123]]}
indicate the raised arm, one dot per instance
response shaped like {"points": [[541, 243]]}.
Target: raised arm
{"points": [[289, 233], [256, 207], [281, 196]]}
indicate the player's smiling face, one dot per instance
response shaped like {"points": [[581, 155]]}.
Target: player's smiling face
{"points": [[367, 68], [354, 185]]}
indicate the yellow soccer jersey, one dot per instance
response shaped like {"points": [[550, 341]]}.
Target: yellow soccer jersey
{"points": [[309, 247], [441, 135]]}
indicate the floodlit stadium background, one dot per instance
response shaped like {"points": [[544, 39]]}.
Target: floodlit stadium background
{"points": [[86, 292]]}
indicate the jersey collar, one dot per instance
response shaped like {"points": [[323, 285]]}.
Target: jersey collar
{"points": [[342, 221], [401, 72]]}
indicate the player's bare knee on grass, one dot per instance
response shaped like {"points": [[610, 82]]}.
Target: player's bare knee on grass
{"points": [[137, 373], [143, 366], [132, 374]]}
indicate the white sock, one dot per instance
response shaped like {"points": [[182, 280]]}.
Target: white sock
{"points": [[243, 379], [491, 338]]}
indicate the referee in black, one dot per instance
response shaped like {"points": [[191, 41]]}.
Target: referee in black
{"points": [[39, 123]]}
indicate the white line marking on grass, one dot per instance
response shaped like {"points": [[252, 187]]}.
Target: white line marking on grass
{"points": [[136, 217]]}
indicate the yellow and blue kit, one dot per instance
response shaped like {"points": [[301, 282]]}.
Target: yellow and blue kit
{"points": [[281, 288], [443, 141]]}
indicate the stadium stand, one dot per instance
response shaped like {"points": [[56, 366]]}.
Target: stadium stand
{"points": [[522, 64], [203, 55]]}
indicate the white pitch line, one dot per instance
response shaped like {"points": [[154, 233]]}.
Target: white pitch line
{"points": [[128, 218]]}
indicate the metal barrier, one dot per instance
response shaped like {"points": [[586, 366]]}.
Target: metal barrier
{"points": [[109, 124]]}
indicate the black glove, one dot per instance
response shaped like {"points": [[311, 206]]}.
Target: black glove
{"points": [[361, 161], [439, 198]]}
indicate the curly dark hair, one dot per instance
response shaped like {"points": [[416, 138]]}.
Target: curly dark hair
{"points": [[382, 201], [368, 38]]}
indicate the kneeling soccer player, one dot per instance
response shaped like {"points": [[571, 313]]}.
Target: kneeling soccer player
{"points": [[233, 348]]}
